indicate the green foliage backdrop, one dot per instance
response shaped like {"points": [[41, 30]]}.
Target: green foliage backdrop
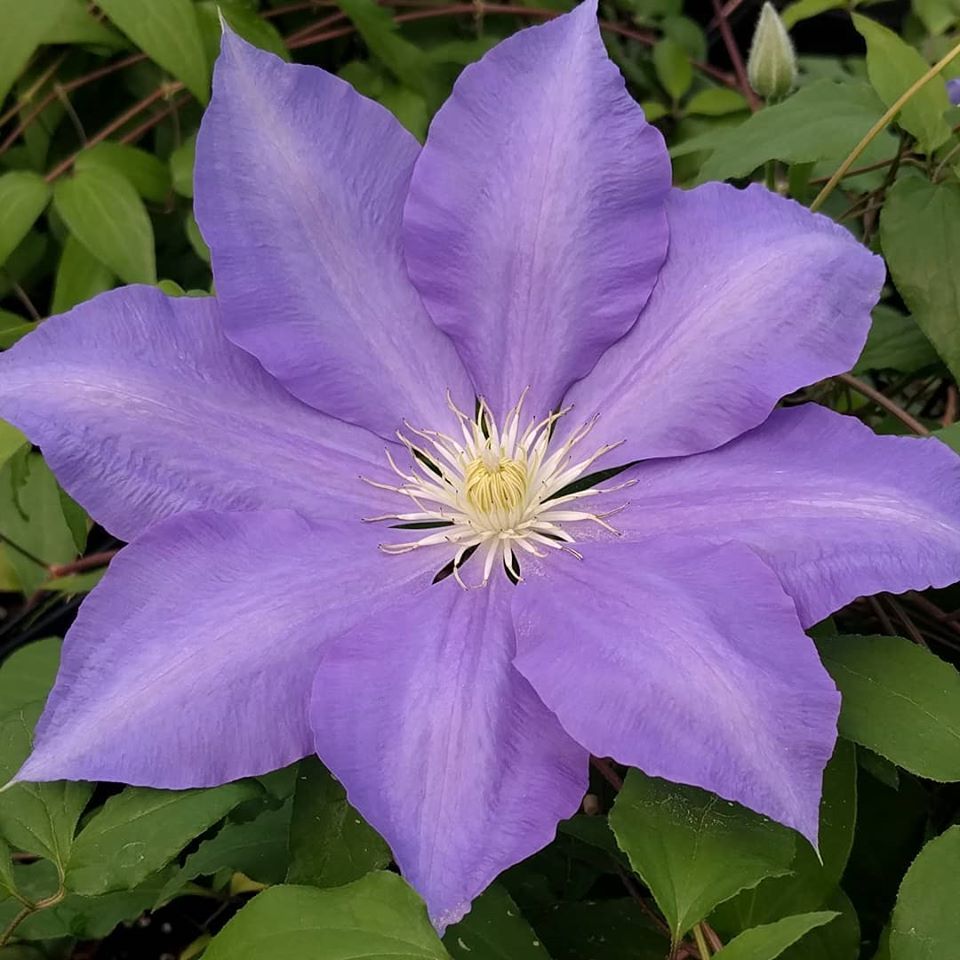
{"points": [[99, 108]]}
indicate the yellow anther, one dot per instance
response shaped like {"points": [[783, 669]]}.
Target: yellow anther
{"points": [[501, 486]]}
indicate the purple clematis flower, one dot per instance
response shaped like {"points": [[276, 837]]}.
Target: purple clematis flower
{"points": [[953, 91], [534, 255]]}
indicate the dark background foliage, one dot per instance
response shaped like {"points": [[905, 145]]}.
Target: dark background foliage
{"points": [[99, 107]]}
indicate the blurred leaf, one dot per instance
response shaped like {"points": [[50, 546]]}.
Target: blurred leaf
{"points": [[376, 918], [24, 27], [688, 33], [105, 213], [330, 844], [77, 24], [769, 941], [895, 342], [39, 818], [257, 849], [27, 675], [601, 930], [408, 107], [716, 102], [926, 922], [920, 234], [23, 197], [937, 16], [181, 166], [149, 176], [893, 65], [11, 440], [76, 582], [243, 21], [31, 516], [673, 67], [12, 328], [899, 700], [793, 13], [168, 33], [494, 930], [693, 849], [406, 61], [195, 237], [80, 276], [138, 831], [798, 130]]}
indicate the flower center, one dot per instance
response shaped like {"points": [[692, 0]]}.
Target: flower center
{"points": [[497, 490]]}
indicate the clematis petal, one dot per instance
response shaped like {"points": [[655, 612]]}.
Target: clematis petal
{"points": [[757, 298], [442, 745], [191, 663], [300, 184], [143, 409], [534, 228], [687, 660], [837, 511]]}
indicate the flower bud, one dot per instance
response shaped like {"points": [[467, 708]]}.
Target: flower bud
{"points": [[953, 91], [772, 64]]}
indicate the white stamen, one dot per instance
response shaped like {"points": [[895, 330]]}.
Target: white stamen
{"points": [[495, 490]]}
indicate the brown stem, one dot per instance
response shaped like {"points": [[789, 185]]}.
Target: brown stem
{"points": [[883, 401], [733, 52], [605, 769], [89, 562]]}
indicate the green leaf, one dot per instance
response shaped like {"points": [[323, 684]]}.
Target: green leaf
{"points": [[104, 212], [76, 24], [920, 234], [673, 67], [243, 21], [24, 27], [926, 922], [896, 342], [769, 941], [494, 930], [12, 329], [257, 849], [601, 930], [793, 13], [76, 582], [376, 918], [406, 61], [11, 440], [39, 818], [798, 130], [148, 174], [899, 700], [716, 102], [7, 883], [408, 107], [24, 195], [80, 276], [330, 844], [810, 881], [892, 66], [27, 675], [31, 516], [692, 849], [181, 166], [138, 831], [168, 33]]}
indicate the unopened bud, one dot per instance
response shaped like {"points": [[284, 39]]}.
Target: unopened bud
{"points": [[953, 91], [772, 64]]}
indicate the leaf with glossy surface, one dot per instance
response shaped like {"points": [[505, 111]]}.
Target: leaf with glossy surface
{"points": [[168, 33], [139, 830], [926, 922], [376, 918], [893, 66], [920, 234], [494, 930], [330, 844], [104, 212], [23, 197], [693, 849], [899, 700], [770, 940]]}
